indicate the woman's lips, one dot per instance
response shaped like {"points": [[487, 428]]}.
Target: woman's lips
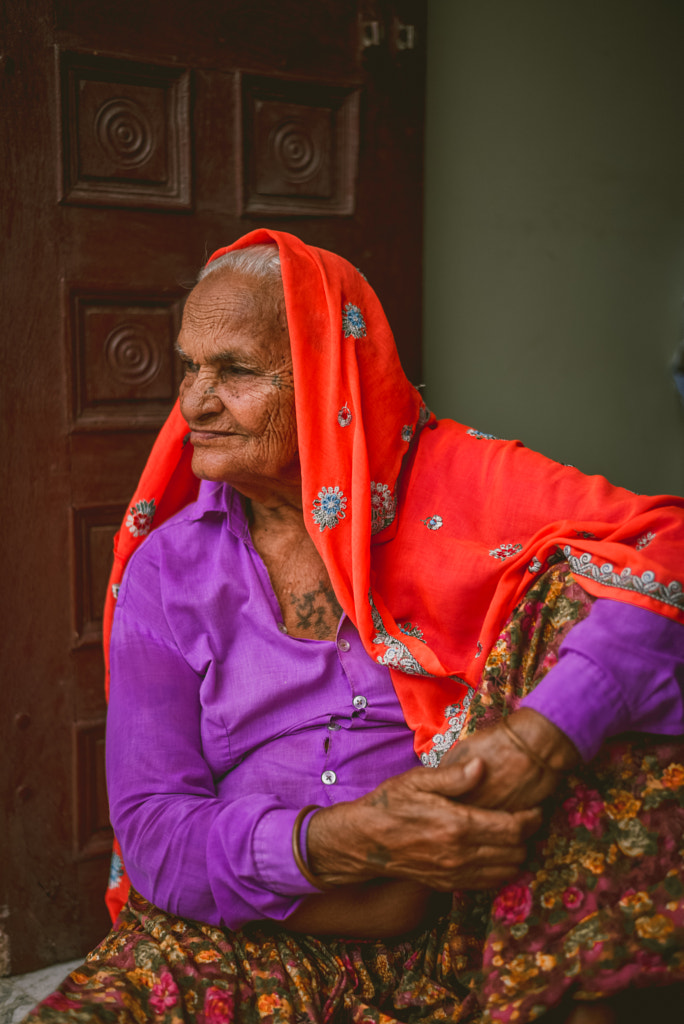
{"points": [[199, 436]]}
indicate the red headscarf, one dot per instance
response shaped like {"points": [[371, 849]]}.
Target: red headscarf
{"points": [[430, 531]]}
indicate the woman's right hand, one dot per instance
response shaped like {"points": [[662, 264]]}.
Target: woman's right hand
{"points": [[413, 827], [514, 778]]}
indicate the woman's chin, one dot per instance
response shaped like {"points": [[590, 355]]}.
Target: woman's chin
{"points": [[206, 466]]}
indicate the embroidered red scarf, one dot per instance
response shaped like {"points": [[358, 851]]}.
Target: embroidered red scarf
{"points": [[430, 531]]}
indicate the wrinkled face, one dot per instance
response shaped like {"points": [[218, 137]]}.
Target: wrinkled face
{"points": [[237, 392]]}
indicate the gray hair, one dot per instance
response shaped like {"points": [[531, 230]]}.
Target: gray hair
{"points": [[261, 260]]}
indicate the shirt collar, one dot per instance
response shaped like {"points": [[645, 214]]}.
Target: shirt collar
{"points": [[217, 499]]}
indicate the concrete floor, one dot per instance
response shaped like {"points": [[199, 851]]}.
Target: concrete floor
{"points": [[20, 992]]}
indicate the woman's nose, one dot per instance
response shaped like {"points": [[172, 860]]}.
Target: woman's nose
{"points": [[198, 396]]}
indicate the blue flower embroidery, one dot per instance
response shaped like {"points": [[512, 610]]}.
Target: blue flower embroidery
{"points": [[344, 416], [483, 437], [328, 508], [116, 870], [353, 324], [433, 522], [407, 432]]}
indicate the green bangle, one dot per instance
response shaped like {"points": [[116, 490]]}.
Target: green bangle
{"points": [[296, 849]]}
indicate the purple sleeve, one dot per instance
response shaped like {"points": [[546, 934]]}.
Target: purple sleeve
{"points": [[621, 669], [189, 850]]}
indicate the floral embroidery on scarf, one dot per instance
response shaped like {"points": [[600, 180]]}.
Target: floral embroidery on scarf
{"points": [[407, 432], [505, 551], [408, 629], [140, 516], [480, 435], [644, 540], [344, 416], [397, 655], [534, 566], [585, 534], [670, 593], [383, 506], [455, 715], [433, 522], [116, 870], [328, 507], [353, 324], [479, 650], [116, 587]]}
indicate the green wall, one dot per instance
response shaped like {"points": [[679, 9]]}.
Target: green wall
{"points": [[554, 258]]}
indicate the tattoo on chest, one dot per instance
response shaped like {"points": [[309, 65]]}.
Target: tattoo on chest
{"points": [[317, 610]]}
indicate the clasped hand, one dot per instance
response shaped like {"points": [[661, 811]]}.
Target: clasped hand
{"points": [[389, 856], [463, 826]]}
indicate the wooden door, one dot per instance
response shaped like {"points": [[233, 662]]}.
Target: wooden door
{"points": [[137, 137]]}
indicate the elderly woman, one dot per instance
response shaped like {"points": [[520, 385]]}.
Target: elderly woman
{"points": [[356, 587]]}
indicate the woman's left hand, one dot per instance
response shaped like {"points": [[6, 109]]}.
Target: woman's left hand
{"points": [[514, 781]]}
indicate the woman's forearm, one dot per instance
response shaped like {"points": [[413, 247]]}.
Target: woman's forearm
{"points": [[619, 670], [380, 908], [413, 827]]}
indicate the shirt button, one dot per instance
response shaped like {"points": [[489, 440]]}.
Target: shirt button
{"points": [[334, 726], [359, 702], [343, 644], [282, 627], [329, 778]]}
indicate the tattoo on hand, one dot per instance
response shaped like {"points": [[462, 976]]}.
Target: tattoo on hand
{"points": [[379, 856]]}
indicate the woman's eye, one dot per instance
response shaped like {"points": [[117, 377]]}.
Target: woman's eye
{"points": [[234, 370]]}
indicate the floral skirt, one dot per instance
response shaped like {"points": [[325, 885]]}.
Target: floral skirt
{"points": [[599, 906]]}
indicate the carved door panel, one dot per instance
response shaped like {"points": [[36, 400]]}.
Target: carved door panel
{"points": [[138, 138]]}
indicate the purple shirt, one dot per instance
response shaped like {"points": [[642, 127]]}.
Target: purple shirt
{"points": [[619, 670], [221, 726]]}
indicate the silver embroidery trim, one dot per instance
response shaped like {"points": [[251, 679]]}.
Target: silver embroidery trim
{"points": [[647, 584], [397, 654], [455, 715], [481, 436]]}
